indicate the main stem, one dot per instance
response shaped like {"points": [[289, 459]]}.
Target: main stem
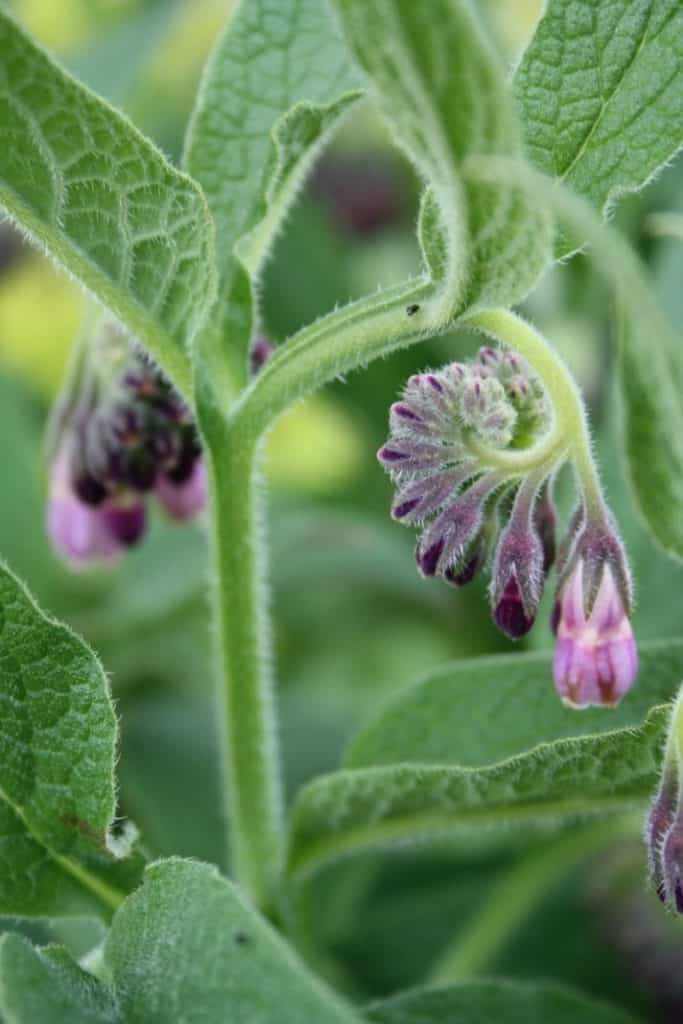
{"points": [[253, 796]]}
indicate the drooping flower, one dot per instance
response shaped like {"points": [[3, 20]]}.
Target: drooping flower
{"points": [[85, 533], [596, 661], [122, 434], [184, 499], [664, 823], [473, 459]]}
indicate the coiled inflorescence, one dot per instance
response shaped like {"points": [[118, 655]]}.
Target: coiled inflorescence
{"points": [[467, 456], [123, 435]]}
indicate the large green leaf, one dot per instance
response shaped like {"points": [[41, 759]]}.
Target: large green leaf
{"points": [[103, 202], [495, 1002], [569, 780], [600, 90], [274, 88], [184, 949], [440, 85], [481, 711], [57, 752]]}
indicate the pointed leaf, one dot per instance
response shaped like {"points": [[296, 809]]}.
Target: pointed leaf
{"points": [[246, 146], [57, 751], [103, 202], [482, 711], [600, 90], [186, 948]]}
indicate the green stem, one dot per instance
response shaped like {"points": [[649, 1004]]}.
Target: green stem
{"points": [[513, 898], [244, 686], [336, 344], [570, 428]]}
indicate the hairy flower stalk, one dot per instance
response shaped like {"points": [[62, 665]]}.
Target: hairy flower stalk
{"points": [[473, 452], [122, 435], [664, 824]]}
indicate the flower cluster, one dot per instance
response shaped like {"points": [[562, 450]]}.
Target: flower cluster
{"points": [[124, 435], [449, 437]]}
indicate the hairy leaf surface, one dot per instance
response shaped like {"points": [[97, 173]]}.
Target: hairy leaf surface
{"points": [[103, 202], [275, 87], [482, 711], [600, 90], [443, 91], [57, 750]]}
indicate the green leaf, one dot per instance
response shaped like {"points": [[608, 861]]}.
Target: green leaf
{"points": [[441, 87], [47, 987], [486, 746], [600, 90], [276, 85], [103, 202], [505, 1002], [481, 711], [186, 948], [57, 752], [650, 370]]}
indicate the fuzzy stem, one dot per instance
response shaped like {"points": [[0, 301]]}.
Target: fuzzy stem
{"points": [[251, 775], [570, 429]]}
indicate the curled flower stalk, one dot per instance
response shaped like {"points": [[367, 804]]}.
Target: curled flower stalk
{"points": [[121, 435], [473, 452]]}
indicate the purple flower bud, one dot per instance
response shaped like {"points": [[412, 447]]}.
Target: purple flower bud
{"points": [[79, 532], [184, 501], [445, 543], [460, 576], [517, 579], [659, 820], [125, 521], [596, 660], [261, 351], [672, 866]]}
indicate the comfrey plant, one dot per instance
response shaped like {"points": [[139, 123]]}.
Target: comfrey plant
{"points": [[172, 391]]}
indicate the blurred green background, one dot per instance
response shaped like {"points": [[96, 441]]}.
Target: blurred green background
{"points": [[353, 622]]}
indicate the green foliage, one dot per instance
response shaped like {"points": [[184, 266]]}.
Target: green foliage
{"points": [[568, 780], [102, 201], [261, 114], [600, 91], [185, 948], [491, 1001], [442, 89], [47, 987], [473, 769], [57, 749], [480, 712]]}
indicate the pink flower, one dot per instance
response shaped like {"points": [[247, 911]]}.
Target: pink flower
{"points": [[596, 660], [184, 500], [82, 534]]}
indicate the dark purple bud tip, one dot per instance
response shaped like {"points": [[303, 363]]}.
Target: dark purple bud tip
{"points": [[555, 617], [88, 489], [434, 382], [126, 522], [661, 892], [405, 412], [465, 573], [509, 614], [391, 455], [261, 351], [428, 560], [405, 508]]}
